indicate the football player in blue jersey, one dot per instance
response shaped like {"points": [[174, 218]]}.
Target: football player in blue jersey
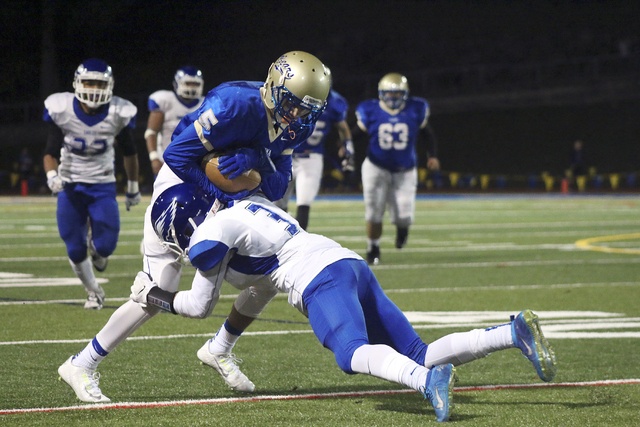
{"points": [[308, 164], [256, 245], [79, 162], [256, 126], [167, 108], [393, 122]]}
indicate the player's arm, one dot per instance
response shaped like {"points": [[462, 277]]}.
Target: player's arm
{"points": [[50, 162], [154, 126], [428, 135], [131, 166], [274, 184], [346, 149]]}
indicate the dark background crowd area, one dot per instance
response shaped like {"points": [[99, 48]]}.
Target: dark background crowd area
{"points": [[511, 84]]}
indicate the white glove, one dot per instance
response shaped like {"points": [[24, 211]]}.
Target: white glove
{"points": [[140, 288], [132, 195], [55, 183]]}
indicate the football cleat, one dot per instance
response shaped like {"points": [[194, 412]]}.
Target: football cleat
{"points": [[528, 337], [373, 255], [99, 262], [439, 390], [84, 382], [401, 237], [227, 367], [95, 299]]}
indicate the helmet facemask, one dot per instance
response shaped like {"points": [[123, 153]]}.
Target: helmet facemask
{"points": [[93, 83], [393, 91], [188, 83], [296, 89]]}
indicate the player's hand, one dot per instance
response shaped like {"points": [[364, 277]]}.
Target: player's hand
{"points": [[55, 183], [140, 288], [132, 196], [238, 162], [348, 154], [433, 164]]}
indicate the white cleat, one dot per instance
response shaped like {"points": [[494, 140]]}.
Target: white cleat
{"points": [[95, 299], [227, 367], [84, 382]]}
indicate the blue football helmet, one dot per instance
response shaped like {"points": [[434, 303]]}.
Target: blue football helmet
{"points": [[296, 89], [188, 82], [93, 83], [177, 212], [393, 90]]}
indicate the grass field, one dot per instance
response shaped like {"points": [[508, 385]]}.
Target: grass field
{"points": [[470, 262]]}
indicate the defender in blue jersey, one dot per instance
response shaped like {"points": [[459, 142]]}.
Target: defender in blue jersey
{"points": [[256, 245], [256, 125], [308, 157], [394, 122], [79, 161]]}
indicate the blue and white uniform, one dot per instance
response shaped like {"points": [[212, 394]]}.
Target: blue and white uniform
{"points": [[87, 160], [389, 172], [173, 109], [234, 116], [254, 243]]}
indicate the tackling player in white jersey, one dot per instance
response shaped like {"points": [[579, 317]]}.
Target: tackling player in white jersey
{"points": [[167, 108], [255, 125], [256, 245], [308, 157], [79, 162], [389, 174]]}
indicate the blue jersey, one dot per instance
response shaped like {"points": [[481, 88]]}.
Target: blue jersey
{"points": [[335, 112], [232, 116], [393, 136]]}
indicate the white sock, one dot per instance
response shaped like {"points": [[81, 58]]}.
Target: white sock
{"points": [[90, 356], [372, 242], [223, 341], [463, 347], [384, 362], [84, 271]]}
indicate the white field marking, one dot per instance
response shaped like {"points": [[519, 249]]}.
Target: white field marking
{"points": [[312, 396], [41, 282]]}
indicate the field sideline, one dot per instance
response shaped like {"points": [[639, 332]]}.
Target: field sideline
{"points": [[471, 261]]}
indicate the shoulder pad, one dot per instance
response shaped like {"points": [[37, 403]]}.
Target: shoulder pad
{"points": [[58, 102], [125, 109]]}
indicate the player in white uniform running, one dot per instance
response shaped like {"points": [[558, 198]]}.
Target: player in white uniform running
{"points": [[79, 161], [308, 157], [167, 108], [255, 244], [248, 121], [393, 123]]}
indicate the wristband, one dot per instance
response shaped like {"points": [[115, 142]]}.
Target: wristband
{"points": [[153, 155], [150, 132], [132, 187], [52, 173]]}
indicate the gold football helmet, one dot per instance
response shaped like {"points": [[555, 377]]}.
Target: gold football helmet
{"points": [[393, 90], [296, 89]]}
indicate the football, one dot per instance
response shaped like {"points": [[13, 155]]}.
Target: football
{"points": [[247, 181]]}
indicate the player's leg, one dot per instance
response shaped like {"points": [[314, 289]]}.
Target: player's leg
{"points": [[79, 371], [308, 179], [105, 224], [218, 351], [72, 217], [523, 332], [337, 319], [375, 187], [403, 203]]}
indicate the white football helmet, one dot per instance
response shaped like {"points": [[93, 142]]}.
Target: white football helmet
{"points": [[93, 83], [188, 82], [393, 90], [296, 89]]}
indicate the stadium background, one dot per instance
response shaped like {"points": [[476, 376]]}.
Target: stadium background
{"points": [[511, 84]]}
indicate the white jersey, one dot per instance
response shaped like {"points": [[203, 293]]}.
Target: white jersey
{"points": [[87, 154], [267, 246], [168, 103]]}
